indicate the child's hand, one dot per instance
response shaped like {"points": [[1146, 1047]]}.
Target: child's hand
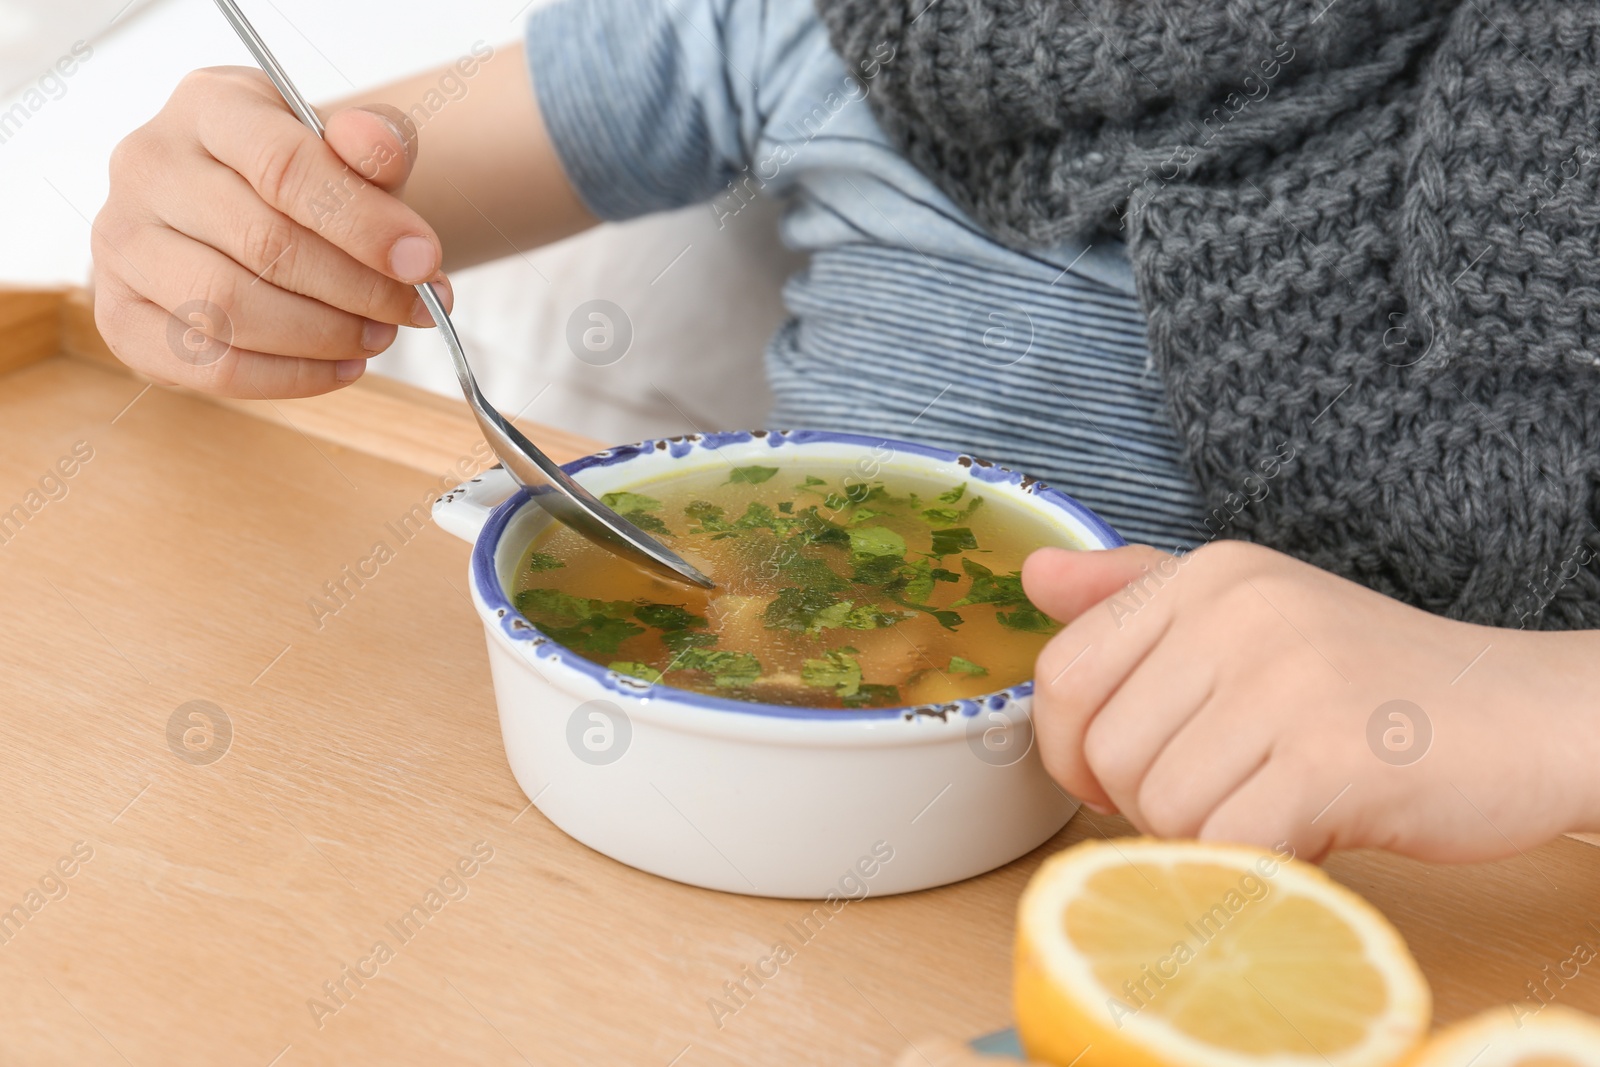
{"points": [[238, 254], [1240, 694]]}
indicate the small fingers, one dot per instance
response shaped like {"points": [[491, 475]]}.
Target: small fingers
{"points": [[1086, 663], [218, 208], [1276, 805], [1065, 584], [221, 299], [301, 176], [1142, 721], [1209, 757], [142, 335], [1104, 640], [377, 141]]}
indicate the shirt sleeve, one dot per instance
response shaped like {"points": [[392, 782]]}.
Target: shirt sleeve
{"points": [[640, 99]]}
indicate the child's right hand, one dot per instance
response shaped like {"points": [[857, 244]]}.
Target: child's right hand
{"points": [[240, 255]]}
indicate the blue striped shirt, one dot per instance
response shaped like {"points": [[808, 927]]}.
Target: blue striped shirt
{"points": [[909, 320]]}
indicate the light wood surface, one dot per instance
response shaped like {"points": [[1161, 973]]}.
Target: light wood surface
{"points": [[366, 759], [29, 326]]}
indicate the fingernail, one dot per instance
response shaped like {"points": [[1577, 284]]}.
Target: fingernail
{"points": [[413, 259], [1098, 809], [378, 336], [404, 134], [447, 297], [400, 135], [348, 370]]}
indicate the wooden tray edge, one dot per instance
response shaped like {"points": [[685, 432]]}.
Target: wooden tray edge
{"points": [[377, 416], [30, 325]]}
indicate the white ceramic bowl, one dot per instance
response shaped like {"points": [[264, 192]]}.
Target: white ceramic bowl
{"points": [[758, 798]]}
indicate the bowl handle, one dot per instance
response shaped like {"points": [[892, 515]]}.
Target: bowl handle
{"points": [[464, 509]]}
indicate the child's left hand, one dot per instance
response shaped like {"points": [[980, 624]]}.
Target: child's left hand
{"points": [[1244, 695]]}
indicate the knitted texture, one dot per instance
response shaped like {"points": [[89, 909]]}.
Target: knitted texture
{"points": [[1366, 233]]}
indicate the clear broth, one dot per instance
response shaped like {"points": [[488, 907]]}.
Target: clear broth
{"points": [[833, 591]]}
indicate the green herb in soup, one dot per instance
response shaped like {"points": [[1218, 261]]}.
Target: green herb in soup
{"points": [[833, 591]]}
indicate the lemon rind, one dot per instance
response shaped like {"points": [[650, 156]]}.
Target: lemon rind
{"points": [[1060, 878], [1497, 1038]]}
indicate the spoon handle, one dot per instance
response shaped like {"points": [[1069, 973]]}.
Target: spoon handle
{"points": [[566, 501], [269, 64]]}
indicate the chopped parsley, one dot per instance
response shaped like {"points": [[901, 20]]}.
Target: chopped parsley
{"points": [[950, 541], [728, 670], [669, 617], [597, 635], [877, 570], [951, 516], [757, 516], [810, 572], [811, 610], [920, 578], [876, 541], [909, 584], [678, 640], [596, 627], [867, 617], [840, 671], [636, 670], [706, 516], [796, 608], [552, 603], [950, 620], [637, 508], [1001, 590], [750, 475], [959, 665], [816, 530], [1028, 619], [873, 696], [626, 502], [543, 561], [647, 522], [836, 670]]}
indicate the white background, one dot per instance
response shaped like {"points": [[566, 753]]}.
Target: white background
{"points": [[698, 327]]}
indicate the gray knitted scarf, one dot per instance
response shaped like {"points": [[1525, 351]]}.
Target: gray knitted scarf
{"points": [[1368, 230]]}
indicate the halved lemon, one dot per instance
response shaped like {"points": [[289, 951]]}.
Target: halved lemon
{"points": [[1137, 952], [1554, 1037]]}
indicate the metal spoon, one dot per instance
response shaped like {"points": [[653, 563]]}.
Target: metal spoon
{"points": [[566, 501]]}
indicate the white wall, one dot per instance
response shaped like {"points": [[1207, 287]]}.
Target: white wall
{"points": [[698, 328]]}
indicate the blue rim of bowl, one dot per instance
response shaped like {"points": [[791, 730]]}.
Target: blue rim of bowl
{"points": [[518, 628]]}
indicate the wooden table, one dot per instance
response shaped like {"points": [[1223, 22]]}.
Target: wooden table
{"points": [[365, 760]]}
